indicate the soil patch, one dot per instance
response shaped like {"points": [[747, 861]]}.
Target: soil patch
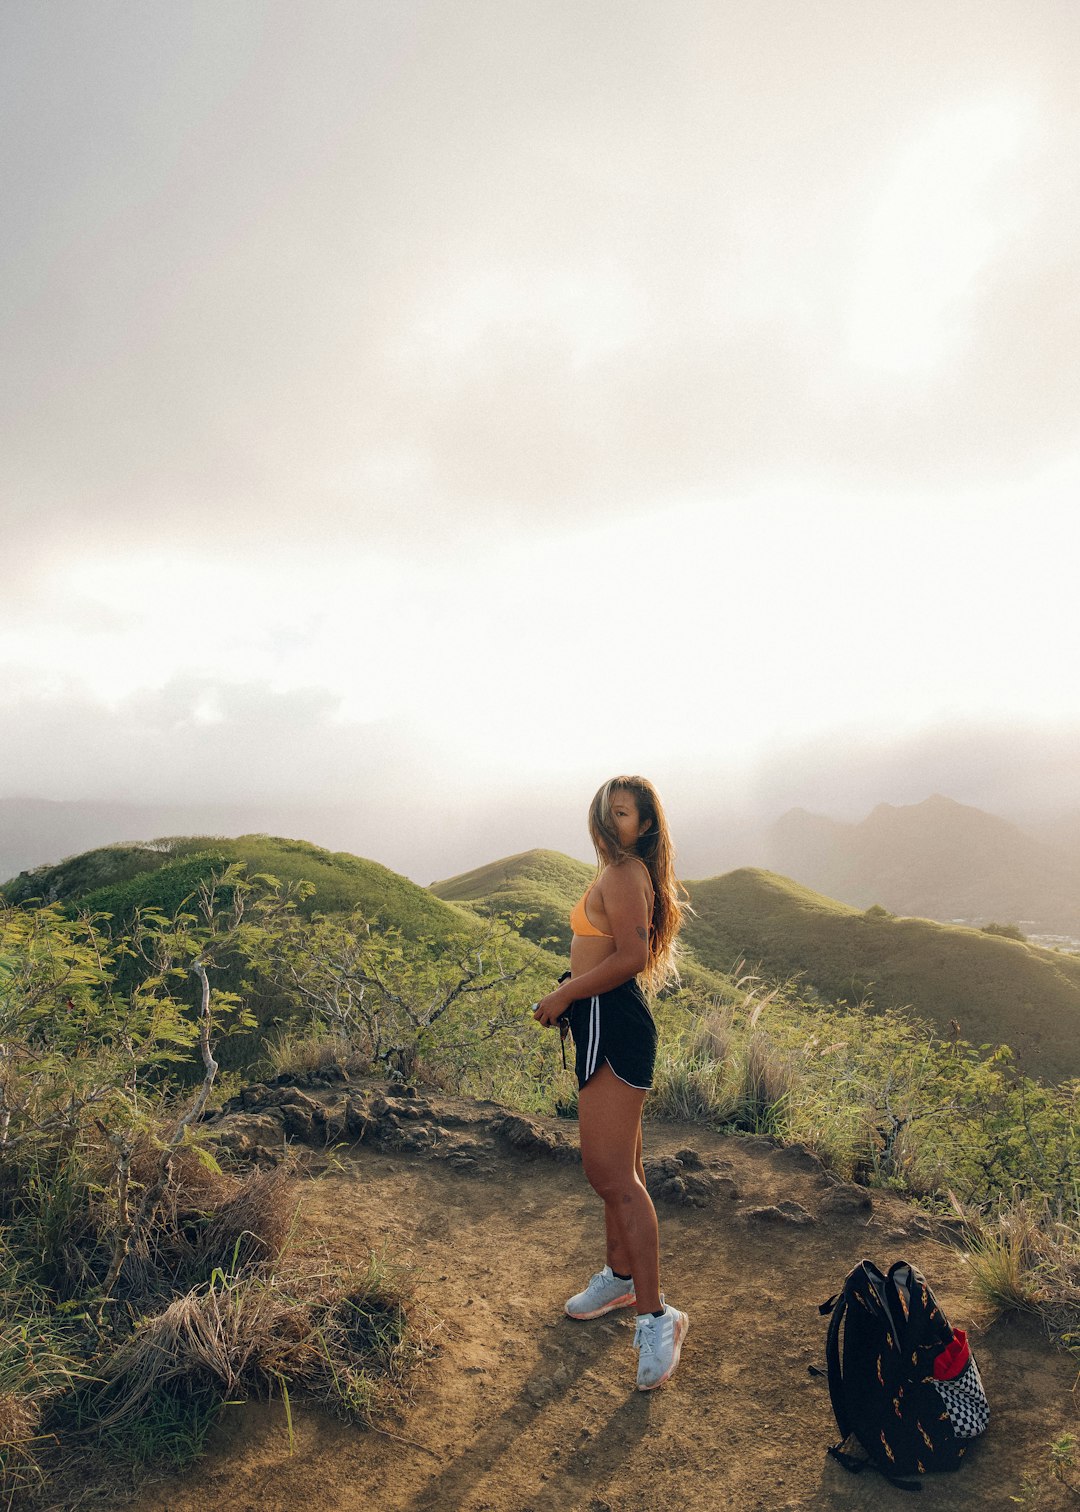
{"points": [[523, 1410]]}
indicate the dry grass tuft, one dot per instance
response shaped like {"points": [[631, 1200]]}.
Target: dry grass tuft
{"points": [[768, 1080], [20, 1421], [1023, 1260], [252, 1224], [300, 1052], [228, 1338], [248, 1334], [1003, 1268], [692, 1091], [713, 1036], [206, 1219]]}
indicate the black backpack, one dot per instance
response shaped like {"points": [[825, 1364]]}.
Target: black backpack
{"points": [[902, 1380]]}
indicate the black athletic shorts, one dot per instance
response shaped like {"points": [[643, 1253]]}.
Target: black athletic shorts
{"points": [[616, 1027]]}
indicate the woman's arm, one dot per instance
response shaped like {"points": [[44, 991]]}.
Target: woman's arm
{"points": [[626, 903]]}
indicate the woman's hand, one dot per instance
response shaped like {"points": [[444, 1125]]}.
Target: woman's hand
{"points": [[549, 1010]]}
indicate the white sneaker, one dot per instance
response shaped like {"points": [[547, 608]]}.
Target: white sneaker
{"points": [[658, 1342], [604, 1293]]}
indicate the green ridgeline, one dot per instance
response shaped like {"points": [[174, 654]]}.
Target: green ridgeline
{"points": [[998, 989], [117, 879], [544, 885]]}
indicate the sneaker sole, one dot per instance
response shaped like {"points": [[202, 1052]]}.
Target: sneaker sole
{"points": [[682, 1328], [627, 1300]]}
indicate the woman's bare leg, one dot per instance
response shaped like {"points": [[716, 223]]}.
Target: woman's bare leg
{"points": [[609, 1119], [617, 1256]]}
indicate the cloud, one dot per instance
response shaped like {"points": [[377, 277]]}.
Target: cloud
{"points": [[423, 269], [201, 740], [357, 362], [1006, 769]]}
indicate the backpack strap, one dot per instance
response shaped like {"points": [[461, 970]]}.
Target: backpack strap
{"points": [[857, 1466], [838, 1307]]}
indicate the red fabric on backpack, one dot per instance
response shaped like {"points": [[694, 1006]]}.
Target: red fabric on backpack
{"points": [[953, 1358]]}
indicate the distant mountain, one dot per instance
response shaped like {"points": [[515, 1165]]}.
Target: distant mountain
{"points": [[937, 859], [1000, 991]]}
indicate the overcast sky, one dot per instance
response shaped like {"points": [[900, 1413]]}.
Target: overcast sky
{"points": [[436, 407]]}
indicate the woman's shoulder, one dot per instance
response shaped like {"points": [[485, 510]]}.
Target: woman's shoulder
{"points": [[629, 871]]}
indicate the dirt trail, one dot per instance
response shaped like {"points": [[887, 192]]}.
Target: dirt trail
{"points": [[523, 1410]]}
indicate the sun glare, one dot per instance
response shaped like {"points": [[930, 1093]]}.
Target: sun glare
{"points": [[941, 218]]}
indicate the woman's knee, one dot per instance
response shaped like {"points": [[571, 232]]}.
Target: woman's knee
{"points": [[611, 1183]]}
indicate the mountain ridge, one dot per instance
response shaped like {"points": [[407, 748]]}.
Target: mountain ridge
{"points": [[937, 859]]}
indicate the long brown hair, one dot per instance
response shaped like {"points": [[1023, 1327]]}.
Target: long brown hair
{"points": [[655, 849]]}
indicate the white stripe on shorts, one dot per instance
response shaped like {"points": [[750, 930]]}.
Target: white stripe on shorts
{"points": [[593, 1051]]}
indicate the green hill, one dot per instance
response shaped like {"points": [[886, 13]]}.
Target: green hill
{"points": [[545, 885], [119, 878], [542, 884], [998, 990]]}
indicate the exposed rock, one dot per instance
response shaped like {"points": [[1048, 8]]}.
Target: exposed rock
{"points": [[358, 1120], [784, 1212], [303, 1117], [250, 1097], [847, 1198], [529, 1138], [799, 1156], [395, 1110], [671, 1178], [410, 1107], [662, 1168], [257, 1137]]}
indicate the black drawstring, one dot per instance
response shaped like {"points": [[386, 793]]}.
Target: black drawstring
{"points": [[564, 1023]]}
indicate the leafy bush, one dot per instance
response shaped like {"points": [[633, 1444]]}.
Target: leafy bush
{"points": [[1007, 931], [140, 1282]]}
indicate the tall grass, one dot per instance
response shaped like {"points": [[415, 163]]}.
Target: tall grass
{"points": [[882, 1100]]}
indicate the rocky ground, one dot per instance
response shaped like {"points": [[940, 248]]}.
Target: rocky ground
{"points": [[519, 1409]]}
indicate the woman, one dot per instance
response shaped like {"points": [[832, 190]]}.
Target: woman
{"points": [[624, 926]]}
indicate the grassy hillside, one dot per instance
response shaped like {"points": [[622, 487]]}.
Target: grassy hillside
{"points": [[118, 878], [998, 990], [542, 884], [545, 885]]}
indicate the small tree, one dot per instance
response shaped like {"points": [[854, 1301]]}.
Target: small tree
{"points": [[399, 1002]]}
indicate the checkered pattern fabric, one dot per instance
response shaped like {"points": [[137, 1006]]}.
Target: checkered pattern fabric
{"points": [[965, 1402]]}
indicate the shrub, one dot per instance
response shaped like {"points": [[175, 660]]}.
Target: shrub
{"points": [[140, 1283], [1007, 931]]}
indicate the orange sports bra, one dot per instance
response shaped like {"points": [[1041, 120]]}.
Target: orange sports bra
{"points": [[580, 922]]}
